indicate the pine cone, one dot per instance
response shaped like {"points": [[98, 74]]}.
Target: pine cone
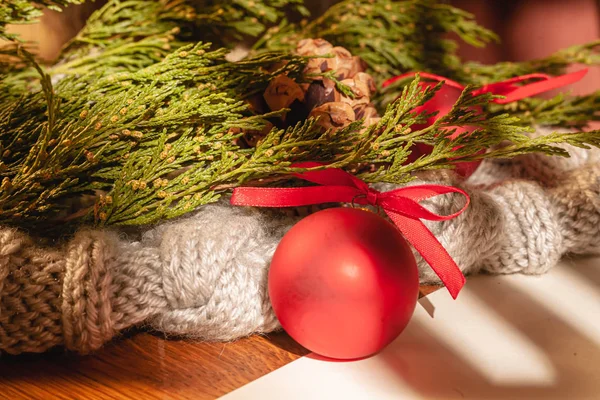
{"points": [[322, 97], [282, 92], [318, 96], [343, 63], [334, 115]]}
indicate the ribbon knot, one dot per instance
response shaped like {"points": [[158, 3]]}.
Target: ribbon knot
{"points": [[373, 197], [400, 205]]}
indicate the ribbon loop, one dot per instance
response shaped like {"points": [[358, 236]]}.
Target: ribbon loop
{"points": [[545, 85], [410, 197], [507, 88], [401, 206]]}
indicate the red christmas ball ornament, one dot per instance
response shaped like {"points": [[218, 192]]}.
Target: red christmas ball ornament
{"points": [[343, 283]]}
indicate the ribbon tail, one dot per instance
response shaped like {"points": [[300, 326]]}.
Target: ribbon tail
{"points": [[431, 250], [535, 88]]}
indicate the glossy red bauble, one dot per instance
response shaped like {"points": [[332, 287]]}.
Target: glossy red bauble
{"points": [[343, 283]]}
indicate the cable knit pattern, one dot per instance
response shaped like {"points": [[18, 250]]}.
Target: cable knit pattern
{"points": [[576, 201], [205, 275], [86, 308], [217, 288], [531, 240]]}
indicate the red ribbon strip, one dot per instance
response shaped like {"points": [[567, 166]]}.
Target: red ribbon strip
{"points": [[509, 87], [401, 206], [444, 99]]}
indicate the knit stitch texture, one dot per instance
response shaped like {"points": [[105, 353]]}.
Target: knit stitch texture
{"points": [[205, 275]]}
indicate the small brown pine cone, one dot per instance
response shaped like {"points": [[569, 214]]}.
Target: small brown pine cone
{"points": [[250, 138], [367, 80], [317, 94], [256, 104], [282, 92], [361, 93], [343, 63], [334, 115], [313, 47], [319, 97], [346, 65]]}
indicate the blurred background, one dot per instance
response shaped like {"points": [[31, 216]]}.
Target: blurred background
{"points": [[528, 29], [532, 29]]}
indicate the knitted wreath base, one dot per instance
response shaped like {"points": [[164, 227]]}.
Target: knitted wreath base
{"points": [[205, 275]]}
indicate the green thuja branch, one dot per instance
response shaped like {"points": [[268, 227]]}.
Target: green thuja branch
{"points": [[233, 20], [72, 138], [145, 120], [165, 25], [148, 191], [555, 64], [503, 133], [561, 110], [391, 36], [125, 36], [158, 142]]}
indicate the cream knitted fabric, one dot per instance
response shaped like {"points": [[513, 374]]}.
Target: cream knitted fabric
{"points": [[205, 275]]}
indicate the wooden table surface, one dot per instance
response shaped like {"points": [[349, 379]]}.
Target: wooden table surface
{"points": [[148, 366]]}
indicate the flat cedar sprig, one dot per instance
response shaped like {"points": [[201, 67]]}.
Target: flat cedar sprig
{"points": [[222, 166], [216, 167], [564, 110], [391, 36], [555, 64], [561, 110], [79, 134], [143, 118], [168, 24], [125, 36], [386, 146], [502, 135], [157, 142]]}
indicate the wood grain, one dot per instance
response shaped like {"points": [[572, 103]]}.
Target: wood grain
{"points": [[149, 366]]}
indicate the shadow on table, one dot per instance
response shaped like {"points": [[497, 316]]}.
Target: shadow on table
{"points": [[555, 341]]}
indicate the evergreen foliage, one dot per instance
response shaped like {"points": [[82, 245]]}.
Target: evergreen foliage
{"points": [[142, 112]]}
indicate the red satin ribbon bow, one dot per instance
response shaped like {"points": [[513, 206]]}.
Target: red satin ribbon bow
{"points": [[401, 205], [444, 99]]}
